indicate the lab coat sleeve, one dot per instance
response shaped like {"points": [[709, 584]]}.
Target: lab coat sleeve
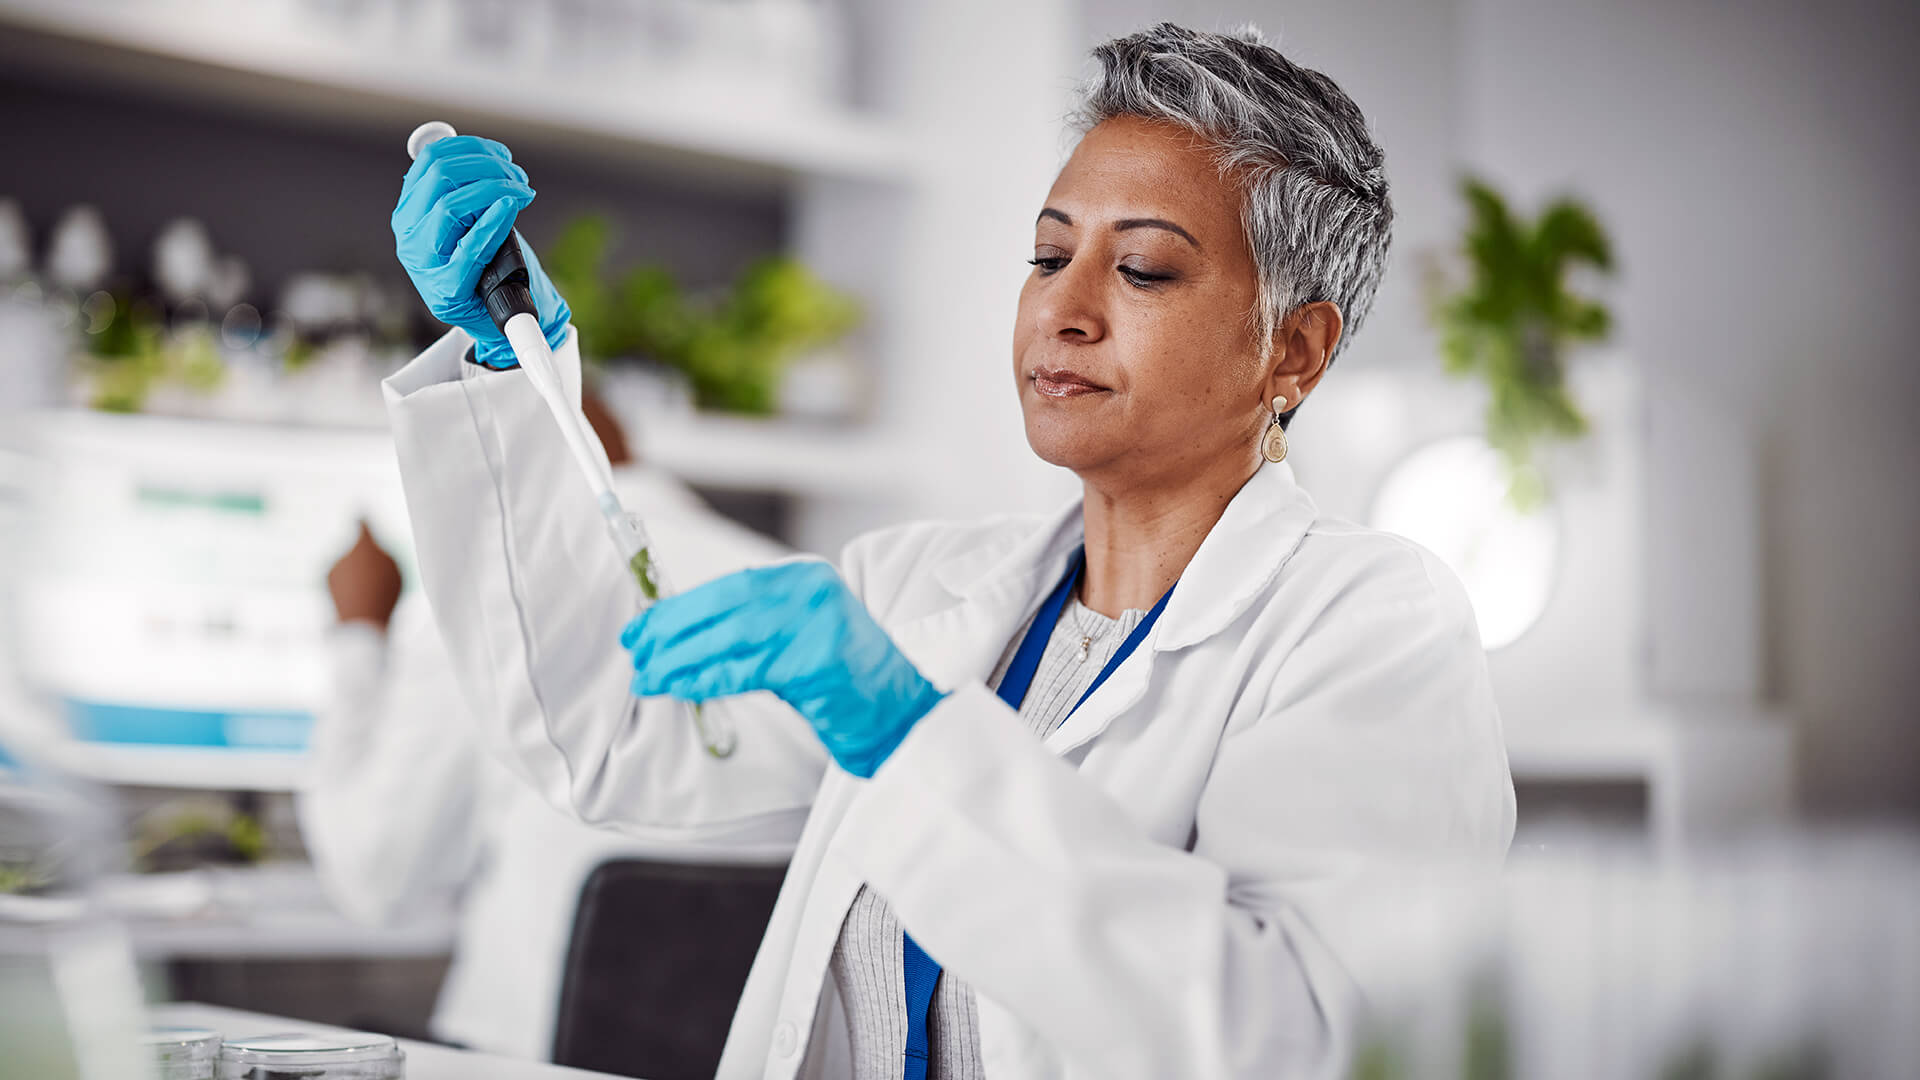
{"points": [[387, 809], [1375, 742], [530, 597]]}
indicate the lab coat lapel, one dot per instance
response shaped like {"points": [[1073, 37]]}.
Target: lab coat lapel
{"points": [[1238, 559], [997, 591]]}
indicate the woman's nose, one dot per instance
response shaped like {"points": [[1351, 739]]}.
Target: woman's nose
{"points": [[1070, 304]]}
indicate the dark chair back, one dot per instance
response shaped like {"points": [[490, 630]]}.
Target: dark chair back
{"points": [[659, 955]]}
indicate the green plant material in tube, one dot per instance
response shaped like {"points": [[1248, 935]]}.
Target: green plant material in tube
{"points": [[641, 566]]}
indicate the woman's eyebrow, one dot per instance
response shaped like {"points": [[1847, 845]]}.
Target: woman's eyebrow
{"points": [[1125, 223], [1154, 223]]}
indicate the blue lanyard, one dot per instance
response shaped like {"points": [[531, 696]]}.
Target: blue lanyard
{"points": [[1026, 660], [920, 970]]}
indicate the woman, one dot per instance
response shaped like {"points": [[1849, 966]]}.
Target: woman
{"points": [[1109, 771]]}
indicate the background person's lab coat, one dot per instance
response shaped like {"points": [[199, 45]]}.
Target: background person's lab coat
{"points": [[402, 809], [1153, 890]]}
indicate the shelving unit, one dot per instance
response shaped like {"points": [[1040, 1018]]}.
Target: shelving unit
{"points": [[259, 54], [925, 230], [1706, 772], [843, 176]]}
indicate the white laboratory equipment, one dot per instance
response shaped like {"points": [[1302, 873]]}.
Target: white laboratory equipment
{"points": [[172, 615]]}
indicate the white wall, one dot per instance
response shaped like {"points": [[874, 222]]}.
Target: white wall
{"points": [[980, 88], [1754, 163]]}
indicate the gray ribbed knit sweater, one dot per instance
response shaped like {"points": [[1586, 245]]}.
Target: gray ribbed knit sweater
{"points": [[867, 963]]}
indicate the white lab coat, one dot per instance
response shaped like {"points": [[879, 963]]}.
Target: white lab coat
{"points": [[1151, 891], [400, 809]]}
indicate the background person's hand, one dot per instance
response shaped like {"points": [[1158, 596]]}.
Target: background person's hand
{"points": [[457, 206], [794, 629], [365, 583]]}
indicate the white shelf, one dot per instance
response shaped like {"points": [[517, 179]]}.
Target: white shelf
{"points": [[1611, 749], [790, 456], [1710, 769], [272, 57], [800, 457], [206, 768], [274, 910], [312, 935]]}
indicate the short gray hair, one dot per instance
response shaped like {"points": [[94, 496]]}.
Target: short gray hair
{"points": [[1317, 216]]}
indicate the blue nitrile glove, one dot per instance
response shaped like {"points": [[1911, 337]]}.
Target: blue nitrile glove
{"points": [[457, 205], [797, 630]]}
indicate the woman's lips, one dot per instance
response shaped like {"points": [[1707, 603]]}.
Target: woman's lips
{"points": [[1064, 384]]}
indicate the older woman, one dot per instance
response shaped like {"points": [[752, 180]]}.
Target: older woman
{"points": [[1078, 792]]}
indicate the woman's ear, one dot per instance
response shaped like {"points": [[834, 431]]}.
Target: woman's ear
{"points": [[1303, 343]]}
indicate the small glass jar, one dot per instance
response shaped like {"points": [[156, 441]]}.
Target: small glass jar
{"points": [[183, 1053], [312, 1055]]}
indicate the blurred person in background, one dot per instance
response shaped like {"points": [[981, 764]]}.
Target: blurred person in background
{"points": [[403, 811], [1084, 793]]}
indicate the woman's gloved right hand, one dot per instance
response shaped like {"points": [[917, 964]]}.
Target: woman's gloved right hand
{"points": [[457, 206], [794, 629]]}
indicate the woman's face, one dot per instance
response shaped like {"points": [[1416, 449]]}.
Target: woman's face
{"points": [[1133, 348]]}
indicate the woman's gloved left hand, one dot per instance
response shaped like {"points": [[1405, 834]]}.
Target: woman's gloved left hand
{"points": [[794, 629]]}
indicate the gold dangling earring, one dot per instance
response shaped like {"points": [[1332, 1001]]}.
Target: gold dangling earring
{"points": [[1274, 444]]}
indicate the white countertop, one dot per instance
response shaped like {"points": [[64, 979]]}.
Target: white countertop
{"points": [[425, 1061]]}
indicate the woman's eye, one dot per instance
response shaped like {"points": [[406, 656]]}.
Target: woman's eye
{"points": [[1051, 264], [1141, 278]]}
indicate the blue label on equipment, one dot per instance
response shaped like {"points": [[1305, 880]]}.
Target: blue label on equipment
{"points": [[148, 725]]}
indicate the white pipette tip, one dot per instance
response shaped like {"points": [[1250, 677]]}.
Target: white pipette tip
{"points": [[431, 131]]}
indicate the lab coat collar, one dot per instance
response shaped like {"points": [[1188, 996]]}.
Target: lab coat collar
{"points": [[1243, 552], [1239, 558]]}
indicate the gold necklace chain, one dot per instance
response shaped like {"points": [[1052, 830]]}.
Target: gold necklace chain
{"points": [[1086, 638]]}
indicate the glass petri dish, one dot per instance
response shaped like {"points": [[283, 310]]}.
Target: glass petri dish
{"points": [[182, 1053], [312, 1055]]}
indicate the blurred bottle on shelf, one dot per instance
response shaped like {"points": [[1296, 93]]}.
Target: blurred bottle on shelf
{"points": [[16, 245], [184, 340], [80, 252], [28, 334]]}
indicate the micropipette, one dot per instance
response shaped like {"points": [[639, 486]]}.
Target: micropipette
{"points": [[509, 300]]}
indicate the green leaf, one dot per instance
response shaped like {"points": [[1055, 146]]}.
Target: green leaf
{"points": [[1568, 232]]}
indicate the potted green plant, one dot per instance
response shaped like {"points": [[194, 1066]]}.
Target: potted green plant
{"points": [[732, 345], [1510, 318]]}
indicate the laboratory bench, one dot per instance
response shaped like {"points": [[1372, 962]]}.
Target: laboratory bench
{"points": [[425, 1061], [265, 936], [274, 910]]}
